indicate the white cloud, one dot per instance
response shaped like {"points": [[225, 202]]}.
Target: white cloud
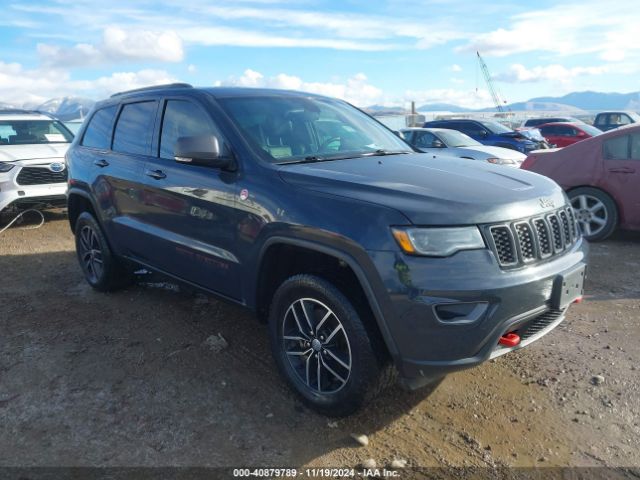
{"points": [[191, 68], [19, 85], [117, 45], [356, 89], [338, 26], [594, 27], [121, 81], [142, 45], [456, 68], [518, 73], [228, 36]]}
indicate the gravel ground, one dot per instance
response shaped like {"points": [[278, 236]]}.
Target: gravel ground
{"points": [[142, 378]]}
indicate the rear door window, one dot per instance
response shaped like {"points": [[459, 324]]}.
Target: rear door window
{"points": [[548, 130], [134, 128], [98, 132], [616, 148]]}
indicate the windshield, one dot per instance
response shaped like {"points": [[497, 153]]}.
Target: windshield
{"points": [[453, 138], [495, 127], [593, 131], [30, 132], [294, 129]]}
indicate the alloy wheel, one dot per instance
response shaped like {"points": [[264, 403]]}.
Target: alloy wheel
{"points": [[91, 253], [316, 346], [591, 214]]}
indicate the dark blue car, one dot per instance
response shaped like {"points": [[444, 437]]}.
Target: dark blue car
{"points": [[489, 132]]}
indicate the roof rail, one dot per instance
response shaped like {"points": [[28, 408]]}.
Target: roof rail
{"points": [[24, 111], [16, 110], [153, 87]]}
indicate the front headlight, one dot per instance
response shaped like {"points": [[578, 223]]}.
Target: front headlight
{"points": [[5, 167], [500, 161], [438, 242]]}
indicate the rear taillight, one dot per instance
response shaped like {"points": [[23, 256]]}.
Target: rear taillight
{"points": [[528, 162]]}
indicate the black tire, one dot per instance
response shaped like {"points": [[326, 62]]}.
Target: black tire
{"points": [[350, 389], [595, 211], [102, 270]]}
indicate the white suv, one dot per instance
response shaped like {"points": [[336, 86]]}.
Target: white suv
{"points": [[33, 172]]}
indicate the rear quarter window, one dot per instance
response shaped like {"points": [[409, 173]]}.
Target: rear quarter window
{"points": [[98, 132]]}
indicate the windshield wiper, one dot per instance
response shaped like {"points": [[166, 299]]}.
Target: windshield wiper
{"points": [[381, 153], [316, 158]]}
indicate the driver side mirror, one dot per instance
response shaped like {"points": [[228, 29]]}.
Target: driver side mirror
{"points": [[203, 150], [484, 134], [437, 144]]}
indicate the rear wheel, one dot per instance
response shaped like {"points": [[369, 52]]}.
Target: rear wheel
{"points": [[101, 268], [596, 212], [322, 347]]}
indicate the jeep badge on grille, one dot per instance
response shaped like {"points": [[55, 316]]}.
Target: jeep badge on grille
{"points": [[546, 202]]}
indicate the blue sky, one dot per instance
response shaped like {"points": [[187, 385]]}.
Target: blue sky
{"points": [[387, 52]]}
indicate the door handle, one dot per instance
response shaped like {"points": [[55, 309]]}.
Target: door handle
{"points": [[101, 163], [157, 174], [623, 170]]}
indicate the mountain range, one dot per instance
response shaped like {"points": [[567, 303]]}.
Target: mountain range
{"points": [[76, 108], [575, 101], [67, 108]]}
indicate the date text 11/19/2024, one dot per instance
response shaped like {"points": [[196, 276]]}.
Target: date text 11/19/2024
{"points": [[316, 472]]}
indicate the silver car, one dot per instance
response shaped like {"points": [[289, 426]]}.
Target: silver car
{"points": [[456, 144], [32, 166]]}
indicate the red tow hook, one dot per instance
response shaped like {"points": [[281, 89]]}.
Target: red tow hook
{"points": [[509, 339]]}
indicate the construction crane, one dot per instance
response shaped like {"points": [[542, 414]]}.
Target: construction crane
{"points": [[492, 89]]}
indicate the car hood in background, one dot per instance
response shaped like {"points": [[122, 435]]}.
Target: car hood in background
{"points": [[495, 152], [11, 153], [432, 190]]}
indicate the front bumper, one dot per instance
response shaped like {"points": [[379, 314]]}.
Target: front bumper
{"points": [[429, 347], [12, 193]]}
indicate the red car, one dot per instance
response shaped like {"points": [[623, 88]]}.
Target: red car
{"points": [[601, 175], [565, 134]]}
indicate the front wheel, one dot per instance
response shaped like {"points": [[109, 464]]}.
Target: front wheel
{"points": [[322, 347], [102, 270], [596, 212]]}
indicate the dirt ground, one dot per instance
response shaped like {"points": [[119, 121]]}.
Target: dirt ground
{"points": [[129, 379]]}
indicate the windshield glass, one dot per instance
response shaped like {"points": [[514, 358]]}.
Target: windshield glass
{"points": [[453, 138], [292, 129], [593, 131], [30, 132], [495, 127]]}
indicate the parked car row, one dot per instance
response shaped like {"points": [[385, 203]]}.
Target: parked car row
{"points": [[491, 133], [457, 144]]}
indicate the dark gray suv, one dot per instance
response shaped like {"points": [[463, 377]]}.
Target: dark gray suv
{"points": [[365, 257]]}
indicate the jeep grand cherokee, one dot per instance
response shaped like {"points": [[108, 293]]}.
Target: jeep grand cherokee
{"points": [[364, 256]]}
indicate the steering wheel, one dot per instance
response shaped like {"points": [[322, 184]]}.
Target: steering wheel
{"points": [[328, 142]]}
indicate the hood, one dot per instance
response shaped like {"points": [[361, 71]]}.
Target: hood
{"points": [[498, 152], [432, 190], [12, 153]]}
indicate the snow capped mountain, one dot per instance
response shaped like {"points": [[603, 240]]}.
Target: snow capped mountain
{"points": [[67, 108]]}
